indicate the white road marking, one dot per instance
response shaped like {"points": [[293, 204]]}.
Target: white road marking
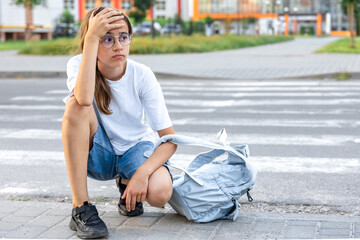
{"points": [[321, 123], [36, 99], [287, 164], [262, 163], [262, 94], [258, 89], [235, 103], [278, 139], [60, 92], [32, 107], [259, 83]]}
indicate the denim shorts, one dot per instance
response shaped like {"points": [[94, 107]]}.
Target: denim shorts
{"points": [[104, 164]]}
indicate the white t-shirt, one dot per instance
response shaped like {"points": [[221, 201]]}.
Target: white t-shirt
{"points": [[136, 93]]}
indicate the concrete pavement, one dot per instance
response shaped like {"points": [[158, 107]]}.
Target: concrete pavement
{"points": [[28, 219], [294, 59]]}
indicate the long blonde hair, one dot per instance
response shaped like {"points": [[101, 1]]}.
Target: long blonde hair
{"points": [[102, 90]]}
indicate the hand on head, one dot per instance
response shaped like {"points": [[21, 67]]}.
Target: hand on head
{"points": [[102, 22]]}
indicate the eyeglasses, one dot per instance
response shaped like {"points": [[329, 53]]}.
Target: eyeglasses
{"points": [[108, 41]]}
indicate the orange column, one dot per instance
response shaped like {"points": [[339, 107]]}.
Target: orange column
{"points": [[286, 24], [98, 3], [295, 26], [116, 4], [80, 9], [196, 10], [318, 24]]}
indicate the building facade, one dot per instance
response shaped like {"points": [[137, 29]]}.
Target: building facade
{"points": [[234, 16]]}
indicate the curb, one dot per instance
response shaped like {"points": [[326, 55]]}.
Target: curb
{"points": [[169, 76]]}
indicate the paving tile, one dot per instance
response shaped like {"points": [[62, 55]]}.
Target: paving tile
{"points": [[269, 225], [172, 223], [335, 231], [302, 223], [31, 211], [113, 222], [203, 226], [26, 232], [160, 235], [299, 232], [58, 232], [18, 219], [335, 225], [233, 228], [357, 227], [9, 226], [46, 221], [195, 235], [140, 221], [125, 233]]}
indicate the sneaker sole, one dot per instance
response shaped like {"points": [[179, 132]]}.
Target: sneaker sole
{"points": [[130, 214], [84, 235]]}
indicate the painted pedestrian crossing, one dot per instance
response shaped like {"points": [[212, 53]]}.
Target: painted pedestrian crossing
{"points": [[187, 105]]}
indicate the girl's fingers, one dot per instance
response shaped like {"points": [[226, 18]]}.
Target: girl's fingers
{"points": [[115, 18], [128, 203], [113, 26], [111, 13], [143, 198], [133, 203], [103, 12]]}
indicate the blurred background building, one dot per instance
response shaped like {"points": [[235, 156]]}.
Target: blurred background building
{"points": [[247, 17]]}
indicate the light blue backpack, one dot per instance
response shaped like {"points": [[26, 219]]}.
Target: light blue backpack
{"points": [[209, 189]]}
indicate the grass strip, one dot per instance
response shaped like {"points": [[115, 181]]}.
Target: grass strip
{"points": [[159, 45]]}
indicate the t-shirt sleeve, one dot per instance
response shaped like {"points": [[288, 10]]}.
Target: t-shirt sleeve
{"points": [[153, 102], [72, 71]]}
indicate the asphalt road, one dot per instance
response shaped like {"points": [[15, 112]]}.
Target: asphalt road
{"points": [[304, 137]]}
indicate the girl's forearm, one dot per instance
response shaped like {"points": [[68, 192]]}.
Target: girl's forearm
{"points": [[85, 83], [157, 159]]}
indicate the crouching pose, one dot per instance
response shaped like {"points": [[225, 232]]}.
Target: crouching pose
{"points": [[103, 130]]}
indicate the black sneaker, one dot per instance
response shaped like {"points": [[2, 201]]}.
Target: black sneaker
{"points": [[86, 222], [122, 202]]}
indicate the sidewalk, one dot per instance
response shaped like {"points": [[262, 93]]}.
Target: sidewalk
{"points": [[294, 59], [50, 220]]}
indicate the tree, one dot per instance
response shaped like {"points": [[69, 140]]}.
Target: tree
{"points": [[28, 5], [141, 6], [349, 7]]}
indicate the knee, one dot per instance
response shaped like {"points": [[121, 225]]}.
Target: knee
{"points": [[159, 195], [75, 112]]}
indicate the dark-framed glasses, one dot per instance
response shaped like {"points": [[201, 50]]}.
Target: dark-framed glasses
{"points": [[108, 41]]}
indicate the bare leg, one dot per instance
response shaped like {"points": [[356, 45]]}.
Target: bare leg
{"points": [[79, 126], [160, 188]]}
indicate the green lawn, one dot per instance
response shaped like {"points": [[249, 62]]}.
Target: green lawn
{"points": [[341, 46], [146, 45], [11, 45]]}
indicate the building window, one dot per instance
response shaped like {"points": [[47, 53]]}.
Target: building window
{"points": [[90, 4], [106, 3], [69, 4], [126, 6], [160, 5]]}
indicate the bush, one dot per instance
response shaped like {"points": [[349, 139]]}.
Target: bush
{"points": [[310, 30], [146, 45]]}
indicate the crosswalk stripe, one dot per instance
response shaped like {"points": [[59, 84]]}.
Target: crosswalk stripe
{"points": [[262, 163], [261, 102], [262, 94], [32, 107], [287, 164], [259, 89], [321, 123], [311, 83], [255, 139]]}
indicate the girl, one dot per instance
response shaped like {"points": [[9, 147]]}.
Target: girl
{"points": [[103, 132]]}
